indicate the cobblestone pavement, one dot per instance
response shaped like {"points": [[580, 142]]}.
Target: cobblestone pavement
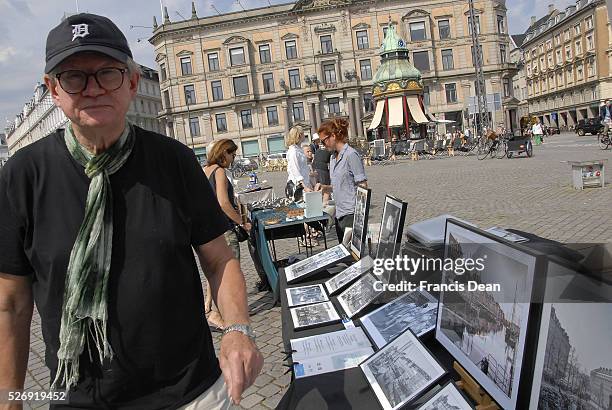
{"points": [[531, 194]]}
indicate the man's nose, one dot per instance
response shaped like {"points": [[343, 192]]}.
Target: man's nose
{"points": [[92, 87]]}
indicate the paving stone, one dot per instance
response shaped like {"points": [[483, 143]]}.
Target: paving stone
{"points": [[273, 401], [250, 401], [263, 380], [269, 390]]}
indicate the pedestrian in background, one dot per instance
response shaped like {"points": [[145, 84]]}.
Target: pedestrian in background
{"points": [[221, 157], [605, 114], [537, 132], [346, 172]]}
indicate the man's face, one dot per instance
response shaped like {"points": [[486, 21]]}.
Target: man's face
{"points": [[94, 107]]}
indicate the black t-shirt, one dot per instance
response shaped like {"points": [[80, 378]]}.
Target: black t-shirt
{"points": [[321, 159], [162, 206]]}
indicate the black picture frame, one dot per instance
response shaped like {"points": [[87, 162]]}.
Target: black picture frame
{"points": [[360, 222], [391, 227]]}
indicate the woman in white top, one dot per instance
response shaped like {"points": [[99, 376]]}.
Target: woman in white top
{"points": [[537, 132], [297, 164]]}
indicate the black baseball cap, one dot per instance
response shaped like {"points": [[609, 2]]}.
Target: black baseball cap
{"points": [[85, 32]]}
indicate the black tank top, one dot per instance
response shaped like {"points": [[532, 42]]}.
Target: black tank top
{"points": [[230, 191]]}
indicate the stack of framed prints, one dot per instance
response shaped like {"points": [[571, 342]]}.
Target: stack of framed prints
{"points": [[449, 398], [486, 331], [360, 222], [305, 295], [313, 315], [359, 295], [309, 266], [416, 311], [401, 371], [349, 274]]}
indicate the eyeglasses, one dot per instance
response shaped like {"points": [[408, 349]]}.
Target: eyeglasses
{"points": [[75, 81]]}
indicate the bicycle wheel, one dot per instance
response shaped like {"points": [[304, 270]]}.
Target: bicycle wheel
{"points": [[484, 149], [502, 148], [604, 141]]}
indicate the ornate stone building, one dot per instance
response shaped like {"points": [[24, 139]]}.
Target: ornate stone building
{"points": [[250, 75], [40, 117], [568, 62]]}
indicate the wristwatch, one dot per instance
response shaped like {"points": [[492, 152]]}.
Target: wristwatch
{"points": [[244, 329]]}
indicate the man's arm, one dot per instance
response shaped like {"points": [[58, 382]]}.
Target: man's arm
{"points": [[239, 358], [16, 308]]}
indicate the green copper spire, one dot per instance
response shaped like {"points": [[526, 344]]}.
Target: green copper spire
{"points": [[396, 65]]}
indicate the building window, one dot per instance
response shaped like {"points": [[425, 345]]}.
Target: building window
{"points": [[384, 32], [268, 82], [362, 40], [444, 29], [194, 126], [221, 122], [368, 102], [501, 26], [578, 47], [502, 53], [264, 53], [329, 73], [559, 79], [566, 35], [568, 52], [507, 87], [451, 93], [237, 56], [272, 114], [589, 40], [447, 59], [426, 97], [217, 90], [589, 22], [162, 72], [190, 97], [550, 60], [213, 62], [186, 65], [477, 22], [326, 44], [591, 68], [558, 39], [298, 111], [420, 59], [417, 31], [333, 105], [167, 99], [294, 79], [366, 69], [246, 119], [577, 29], [549, 45], [290, 49], [579, 72], [559, 56], [241, 85]]}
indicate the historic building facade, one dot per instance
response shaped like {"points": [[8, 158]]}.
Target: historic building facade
{"points": [[251, 75], [568, 58], [40, 117]]}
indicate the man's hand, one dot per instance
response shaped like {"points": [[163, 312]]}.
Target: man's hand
{"points": [[240, 362]]}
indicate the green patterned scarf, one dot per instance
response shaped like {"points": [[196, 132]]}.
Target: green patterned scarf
{"points": [[84, 310]]}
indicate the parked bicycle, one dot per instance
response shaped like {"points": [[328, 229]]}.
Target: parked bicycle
{"points": [[605, 140], [488, 146]]}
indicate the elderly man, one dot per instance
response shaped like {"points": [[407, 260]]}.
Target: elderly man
{"points": [[97, 228]]}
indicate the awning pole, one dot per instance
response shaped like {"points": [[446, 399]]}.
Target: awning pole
{"points": [[406, 113], [388, 128]]}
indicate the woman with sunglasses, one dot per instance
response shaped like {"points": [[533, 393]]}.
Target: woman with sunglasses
{"points": [[220, 157], [346, 172]]}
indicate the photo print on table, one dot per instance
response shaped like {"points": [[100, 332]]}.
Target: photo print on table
{"points": [[360, 222], [416, 311], [449, 398], [313, 315], [390, 234], [359, 295], [305, 295], [486, 331], [349, 274], [401, 371], [315, 263]]}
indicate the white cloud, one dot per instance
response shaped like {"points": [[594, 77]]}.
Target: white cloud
{"points": [[6, 53]]}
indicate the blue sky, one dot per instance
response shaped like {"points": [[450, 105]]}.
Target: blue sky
{"points": [[24, 26]]}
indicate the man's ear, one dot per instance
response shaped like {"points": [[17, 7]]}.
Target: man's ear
{"points": [[52, 85], [134, 79]]}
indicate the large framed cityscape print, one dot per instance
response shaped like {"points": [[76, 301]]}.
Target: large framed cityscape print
{"points": [[349, 274], [309, 266], [359, 295], [391, 227], [401, 371], [486, 330], [360, 221], [449, 398], [416, 311]]}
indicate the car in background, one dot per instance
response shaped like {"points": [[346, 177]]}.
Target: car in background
{"points": [[552, 130], [591, 126], [277, 155]]}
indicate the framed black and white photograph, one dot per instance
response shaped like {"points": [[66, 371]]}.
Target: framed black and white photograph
{"points": [[449, 398], [359, 295], [309, 266], [305, 295], [486, 330], [360, 221], [573, 365], [401, 371], [313, 315], [349, 274], [416, 311], [391, 227]]}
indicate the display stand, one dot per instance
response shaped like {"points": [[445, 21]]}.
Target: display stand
{"points": [[473, 390]]}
